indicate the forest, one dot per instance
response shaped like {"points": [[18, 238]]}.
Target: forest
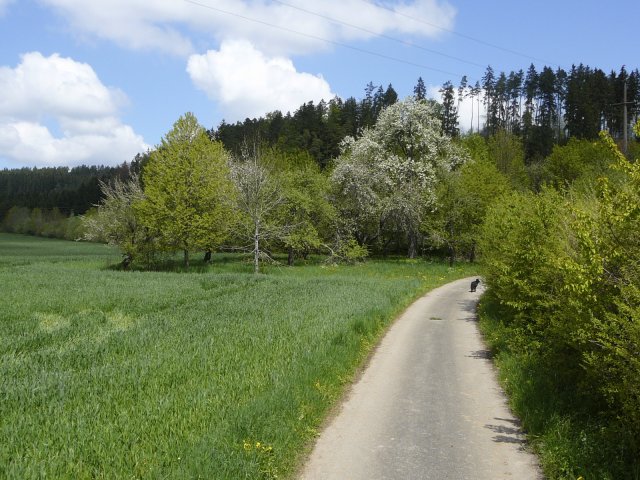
{"points": [[540, 108]]}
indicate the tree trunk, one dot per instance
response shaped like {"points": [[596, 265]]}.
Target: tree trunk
{"points": [[126, 260], [186, 258], [413, 247], [256, 250], [472, 253], [207, 256], [452, 255], [385, 247], [290, 257]]}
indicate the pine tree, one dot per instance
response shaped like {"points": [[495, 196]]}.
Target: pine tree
{"points": [[420, 91], [449, 111], [488, 84]]}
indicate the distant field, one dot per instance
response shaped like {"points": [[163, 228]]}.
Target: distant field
{"points": [[218, 374]]}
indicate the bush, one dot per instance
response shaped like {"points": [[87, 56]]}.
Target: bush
{"points": [[43, 223], [566, 271]]}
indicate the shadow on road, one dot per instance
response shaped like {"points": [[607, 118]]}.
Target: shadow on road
{"points": [[507, 434], [481, 354]]}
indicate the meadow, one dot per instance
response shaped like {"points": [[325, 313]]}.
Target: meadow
{"points": [[214, 373]]}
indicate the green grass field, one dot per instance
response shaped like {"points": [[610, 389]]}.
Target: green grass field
{"points": [[215, 374]]}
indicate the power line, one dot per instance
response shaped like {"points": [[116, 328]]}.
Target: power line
{"points": [[458, 34], [314, 37], [380, 35]]}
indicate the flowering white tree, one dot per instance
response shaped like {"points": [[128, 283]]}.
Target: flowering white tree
{"points": [[384, 181]]}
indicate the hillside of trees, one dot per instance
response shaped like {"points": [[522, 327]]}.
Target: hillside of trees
{"points": [[541, 108]]}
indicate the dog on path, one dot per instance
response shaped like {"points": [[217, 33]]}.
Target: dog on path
{"points": [[474, 284]]}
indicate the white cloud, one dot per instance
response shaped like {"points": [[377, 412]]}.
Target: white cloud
{"points": [[3, 5], [468, 109], [246, 83], [173, 25], [260, 77], [43, 92]]}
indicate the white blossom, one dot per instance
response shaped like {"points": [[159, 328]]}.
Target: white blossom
{"points": [[386, 178]]}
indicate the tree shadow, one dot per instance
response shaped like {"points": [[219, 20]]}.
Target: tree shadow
{"points": [[483, 354], [508, 433]]}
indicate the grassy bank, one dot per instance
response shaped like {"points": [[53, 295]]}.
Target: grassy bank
{"points": [[212, 374], [573, 436]]}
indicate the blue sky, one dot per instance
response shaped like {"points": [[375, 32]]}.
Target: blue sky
{"points": [[96, 81]]}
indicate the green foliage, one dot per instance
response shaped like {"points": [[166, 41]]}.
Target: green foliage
{"points": [[45, 223], [523, 242], [577, 159], [476, 146], [570, 438], [219, 374], [306, 208], [566, 270], [507, 152], [71, 191], [347, 251], [463, 197], [188, 191]]}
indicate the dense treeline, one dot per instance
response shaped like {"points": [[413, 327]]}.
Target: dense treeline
{"points": [[43, 223], [316, 129], [196, 196], [541, 108], [69, 190], [547, 107]]}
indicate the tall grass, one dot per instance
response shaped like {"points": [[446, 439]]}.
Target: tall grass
{"points": [[213, 374]]}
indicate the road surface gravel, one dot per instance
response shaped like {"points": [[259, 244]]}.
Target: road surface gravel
{"points": [[428, 406]]}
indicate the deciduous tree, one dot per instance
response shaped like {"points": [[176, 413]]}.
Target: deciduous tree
{"points": [[188, 190], [385, 180], [258, 197]]}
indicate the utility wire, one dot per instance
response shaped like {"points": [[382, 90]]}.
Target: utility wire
{"points": [[380, 35], [314, 37], [462, 35]]}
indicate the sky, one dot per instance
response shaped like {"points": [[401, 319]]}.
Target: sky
{"points": [[94, 82]]}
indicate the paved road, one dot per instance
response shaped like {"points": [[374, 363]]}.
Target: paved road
{"points": [[428, 406]]}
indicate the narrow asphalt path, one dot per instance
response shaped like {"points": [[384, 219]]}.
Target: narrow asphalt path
{"points": [[428, 406]]}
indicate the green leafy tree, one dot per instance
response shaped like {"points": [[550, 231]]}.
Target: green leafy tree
{"points": [[463, 198], [305, 210], [577, 159], [567, 266], [507, 153], [188, 190]]}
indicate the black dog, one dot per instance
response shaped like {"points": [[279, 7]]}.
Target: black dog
{"points": [[474, 284]]}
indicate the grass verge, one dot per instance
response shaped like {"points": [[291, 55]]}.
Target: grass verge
{"points": [[573, 438], [217, 373]]}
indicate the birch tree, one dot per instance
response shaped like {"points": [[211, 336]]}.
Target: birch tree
{"points": [[258, 196]]}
